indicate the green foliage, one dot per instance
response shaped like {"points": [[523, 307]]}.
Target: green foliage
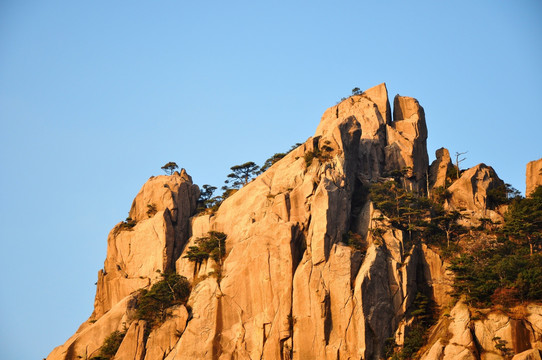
{"points": [[451, 175], [440, 195], [357, 91], [110, 345], [447, 222], [153, 304], [242, 174], [502, 274], [170, 167], [502, 194], [206, 200], [405, 210], [523, 220], [322, 155], [212, 246], [355, 241], [501, 346], [271, 161], [415, 338], [151, 210], [127, 224]]}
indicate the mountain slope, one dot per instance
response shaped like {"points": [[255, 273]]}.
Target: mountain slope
{"points": [[311, 269]]}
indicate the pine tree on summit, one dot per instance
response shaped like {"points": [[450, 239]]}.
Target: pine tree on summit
{"points": [[170, 167]]}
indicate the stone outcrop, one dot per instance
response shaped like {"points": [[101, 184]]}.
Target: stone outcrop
{"points": [[290, 285], [163, 339], [407, 142], [531, 354], [88, 339], [439, 169], [133, 344], [534, 176], [485, 334], [137, 252], [438, 276], [471, 194]]}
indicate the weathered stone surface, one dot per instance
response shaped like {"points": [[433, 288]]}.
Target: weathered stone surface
{"points": [[134, 257], [490, 334], [406, 142], [174, 192], [439, 168], [88, 339], [461, 345], [498, 328], [290, 287], [379, 95], [371, 110], [438, 276], [532, 354], [197, 340], [470, 194], [163, 339], [133, 344], [534, 176]]}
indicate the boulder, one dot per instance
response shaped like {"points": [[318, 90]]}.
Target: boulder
{"points": [[470, 193]]}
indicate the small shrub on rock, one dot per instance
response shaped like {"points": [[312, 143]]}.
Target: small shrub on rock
{"points": [[154, 304]]}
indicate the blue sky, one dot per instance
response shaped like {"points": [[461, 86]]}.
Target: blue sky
{"points": [[95, 96]]}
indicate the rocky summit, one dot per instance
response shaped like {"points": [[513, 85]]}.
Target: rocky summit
{"points": [[350, 246]]}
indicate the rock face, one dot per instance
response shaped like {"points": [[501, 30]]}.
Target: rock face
{"points": [[439, 169], [407, 138], [534, 176], [137, 252], [471, 194], [485, 335], [290, 287]]}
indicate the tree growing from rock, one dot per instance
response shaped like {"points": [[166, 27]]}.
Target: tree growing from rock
{"points": [[448, 223], [271, 161], [211, 246], [170, 167], [458, 161], [153, 304], [242, 174], [206, 195], [523, 220]]}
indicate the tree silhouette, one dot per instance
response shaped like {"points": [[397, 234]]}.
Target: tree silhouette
{"points": [[169, 168], [242, 174], [271, 161]]}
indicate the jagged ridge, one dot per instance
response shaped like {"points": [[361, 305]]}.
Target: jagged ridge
{"points": [[291, 287]]}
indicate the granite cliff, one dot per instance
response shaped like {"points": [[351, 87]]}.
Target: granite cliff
{"points": [[291, 284]]}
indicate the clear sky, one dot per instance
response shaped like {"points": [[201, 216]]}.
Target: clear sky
{"points": [[95, 96]]}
